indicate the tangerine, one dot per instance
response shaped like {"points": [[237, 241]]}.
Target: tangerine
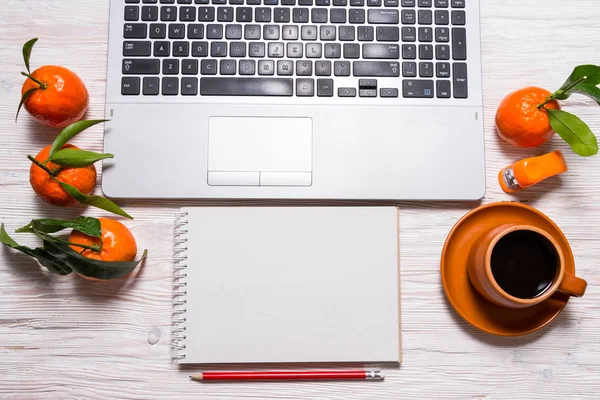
{"points": [[116, 242], [520, 122]]}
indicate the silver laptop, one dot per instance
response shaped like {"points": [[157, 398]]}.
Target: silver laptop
{"points": [[294, 99]]}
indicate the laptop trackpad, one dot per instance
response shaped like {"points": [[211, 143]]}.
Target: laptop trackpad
{"points": [[259, 151]]}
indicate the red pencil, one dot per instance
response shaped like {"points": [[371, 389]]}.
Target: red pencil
{"points": [[370, 375]]}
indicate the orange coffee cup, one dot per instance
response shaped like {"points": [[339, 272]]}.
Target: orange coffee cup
{"points": [[517, 266]]}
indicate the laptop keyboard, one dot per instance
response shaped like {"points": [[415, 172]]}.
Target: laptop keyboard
{"points": [[303, 48]]}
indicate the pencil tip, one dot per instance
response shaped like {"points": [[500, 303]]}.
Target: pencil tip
{"points": [[196, 377]]}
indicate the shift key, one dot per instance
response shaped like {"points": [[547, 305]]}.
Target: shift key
{"points": [[376, 68], [141, 67]]}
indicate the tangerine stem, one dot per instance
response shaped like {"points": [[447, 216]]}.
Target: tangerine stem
{"points": [[561, 91], [39, 164], [42, 84]]}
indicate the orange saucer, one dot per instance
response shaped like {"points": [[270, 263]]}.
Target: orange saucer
{"points": [[468, 302]]}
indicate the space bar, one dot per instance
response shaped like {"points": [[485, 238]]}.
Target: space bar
{"points": [[246, 87]]}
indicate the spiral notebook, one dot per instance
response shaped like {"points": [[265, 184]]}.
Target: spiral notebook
{"points": [[287, 285]]}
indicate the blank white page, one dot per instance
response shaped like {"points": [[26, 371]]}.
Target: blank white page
{"points": [[308, 284]]}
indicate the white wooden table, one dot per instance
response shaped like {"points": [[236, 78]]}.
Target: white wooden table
{"points": [[64, 337]]}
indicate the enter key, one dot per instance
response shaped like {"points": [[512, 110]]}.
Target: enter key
{"points": [[381, 51]]}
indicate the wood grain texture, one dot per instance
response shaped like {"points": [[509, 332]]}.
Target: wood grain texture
{"points": [[63, 338]]}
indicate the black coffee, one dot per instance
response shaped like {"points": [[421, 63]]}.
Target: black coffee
{"points": [[524, 264]]}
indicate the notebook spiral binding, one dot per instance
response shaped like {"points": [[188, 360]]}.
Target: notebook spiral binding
{"points": [[178, 333]]}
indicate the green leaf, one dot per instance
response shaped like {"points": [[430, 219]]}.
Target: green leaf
{"points": [[24, 99], [94, 201], [75, 158], [52, 263], [583, 76], [88, 225], [573, 131], [589, 90], [27, 47], [70, 131], [88, 267]]}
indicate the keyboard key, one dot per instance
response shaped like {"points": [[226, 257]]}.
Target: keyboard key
{"points": [[170, 86], [357, 3], [281, 15], [459, 74], [425, 17], [305, 2], [367, 92], [346, 92], [214, 31], [195, 31], [227, 67], [424, 3], [189, 67], [132, 13], [303, 67], [236, 2], [409, 51], [288, 2], [199, 49], [458, 3], [426, 70], [136, 49], [443, 89], [256, 49], [300, 15], [150, 86], [426, 52], [327, 32], [314, 50], [233, 31], [130, 86], [176, 31], [247, 67], [382, 51], [225, 14], [237, 49], [337, 15], [243, 14], [140, 66], [271, 2], [295, 50], [408, 17], [285, 67], [373, 3], [384, 16], [271, 32], [318, 15], [388, 92], [441, 17], [218, 49], [333, 50], [187, 14], [189, 86], [208, 67], [441, 3], [413, 88], [323, 68], [246, 86], [135, 31], [442, 70], [158, 31], [390, 3], [340, 3], [409, 34], [442, 35], [275, 50], [170, 67], [305, 87], [442, 52], [262, 14], [309, 32], [346, 33], [252, 32], [168, 14], [341, 68], [289, 32], [206, 14], [408, 3], [367, 83], [181, 49], [409, 69], [458, 17], [376, 68], [325, 87], [351, 50], [425, 34], [357, 16], [149, 13], [459, 44], [365, 33]]}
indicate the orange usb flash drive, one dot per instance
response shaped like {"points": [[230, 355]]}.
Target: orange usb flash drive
{"points": [[529, 171]]}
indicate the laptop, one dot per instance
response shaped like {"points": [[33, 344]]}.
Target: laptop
{"points": [[294, 99]]}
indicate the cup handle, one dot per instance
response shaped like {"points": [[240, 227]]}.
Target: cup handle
{"points": [[572, 285]]}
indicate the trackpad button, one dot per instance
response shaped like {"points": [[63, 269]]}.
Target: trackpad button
{"points": [[274, 147]]}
